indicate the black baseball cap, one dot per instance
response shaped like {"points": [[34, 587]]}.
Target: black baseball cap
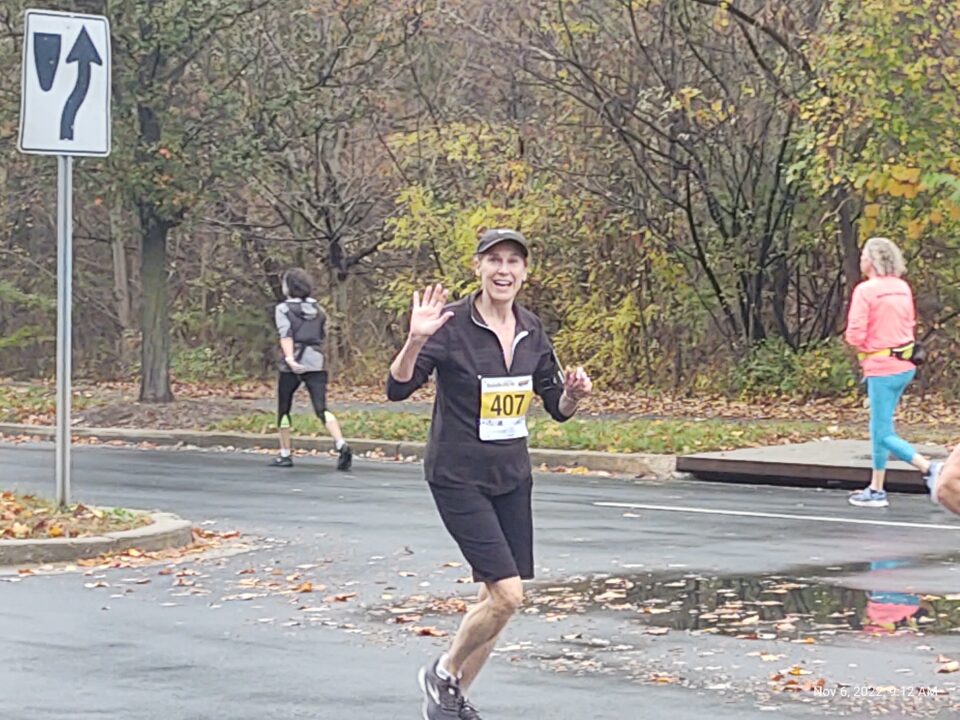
{"points": [[493, 237]]}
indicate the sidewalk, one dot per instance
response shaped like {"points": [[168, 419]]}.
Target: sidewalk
{"points": [[630, 464]]}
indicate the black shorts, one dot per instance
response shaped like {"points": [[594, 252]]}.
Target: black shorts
{"points": [[287, 385], [494, 532]]}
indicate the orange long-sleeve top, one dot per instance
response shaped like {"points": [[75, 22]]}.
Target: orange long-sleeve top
{"points": [[881, 317]]}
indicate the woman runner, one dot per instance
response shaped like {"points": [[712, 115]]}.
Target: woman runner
{"points": [[491, 356], [880, 326]]}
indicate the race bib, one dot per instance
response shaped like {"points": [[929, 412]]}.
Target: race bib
{"points": [[504, 402]]}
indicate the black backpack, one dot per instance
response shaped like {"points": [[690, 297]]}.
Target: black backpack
{"points": [[308, 324]]}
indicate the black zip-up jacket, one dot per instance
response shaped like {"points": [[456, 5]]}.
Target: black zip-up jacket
{"points": [[462, 352]]}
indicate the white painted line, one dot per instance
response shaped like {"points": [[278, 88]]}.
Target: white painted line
{"points": [[776, 516]]}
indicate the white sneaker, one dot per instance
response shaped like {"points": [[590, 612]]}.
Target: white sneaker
{"points": [[868, 497], [932, 478]]}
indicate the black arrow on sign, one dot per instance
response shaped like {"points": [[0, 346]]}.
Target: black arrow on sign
{"points": [[85, 54]]}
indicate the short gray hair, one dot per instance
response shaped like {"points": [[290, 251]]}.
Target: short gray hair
{"points": [[885, 256]]}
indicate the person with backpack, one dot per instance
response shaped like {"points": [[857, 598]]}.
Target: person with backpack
{"points": [[301, 325], [880, 325]]}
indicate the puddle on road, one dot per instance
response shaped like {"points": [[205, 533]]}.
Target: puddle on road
{"points": [[802, 604]]}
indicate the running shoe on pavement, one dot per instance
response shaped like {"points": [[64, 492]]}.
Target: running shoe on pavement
{"points": [[345, 459], [442, 699], [931, 478], [868, 497], [468, 711]]}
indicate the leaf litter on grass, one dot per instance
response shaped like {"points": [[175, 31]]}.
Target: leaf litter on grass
{"points": [[658, 422], [28, 517]]}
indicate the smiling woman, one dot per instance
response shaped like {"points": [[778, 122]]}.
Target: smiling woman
{"points": [[491, 356], [501, 265]]}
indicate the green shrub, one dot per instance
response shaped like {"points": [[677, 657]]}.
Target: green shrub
{"points": [[774, 368], [203, 364]]}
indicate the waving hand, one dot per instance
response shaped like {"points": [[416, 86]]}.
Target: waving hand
{"points": [[428, 314]]}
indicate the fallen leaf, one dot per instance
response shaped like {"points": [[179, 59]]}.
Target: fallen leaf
{"points": [[664, 679], [406, 619], [428, 631]]}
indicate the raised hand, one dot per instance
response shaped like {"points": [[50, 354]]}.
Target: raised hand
{"points": [[428, 314], [577, 384]]}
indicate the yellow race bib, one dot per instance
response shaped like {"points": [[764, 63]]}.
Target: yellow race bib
{"points": [[504, 402]]}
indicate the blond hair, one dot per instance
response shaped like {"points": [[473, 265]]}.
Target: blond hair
{"points": [[885, 256]]}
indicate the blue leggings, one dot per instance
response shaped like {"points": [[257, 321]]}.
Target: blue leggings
{"points": [[884, 393]]}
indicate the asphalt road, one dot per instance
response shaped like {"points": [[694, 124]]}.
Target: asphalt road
{"points": [[226, 636]]}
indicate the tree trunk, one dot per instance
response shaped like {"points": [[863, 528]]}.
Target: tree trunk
{"points": [[337, 324], [338, 277], [121, 288], [849, 244], [155, 370]]}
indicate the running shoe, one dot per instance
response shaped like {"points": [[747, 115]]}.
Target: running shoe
{"points": [[345, 457], [282, 462], [442, 699], [868, 497], [469, 712], [931, 478]]}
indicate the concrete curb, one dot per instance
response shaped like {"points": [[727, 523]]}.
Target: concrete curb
{"points": [[634, 464], [166, 531]]}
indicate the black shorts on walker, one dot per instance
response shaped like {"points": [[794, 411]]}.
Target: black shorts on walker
{"points": [[287, 385]]}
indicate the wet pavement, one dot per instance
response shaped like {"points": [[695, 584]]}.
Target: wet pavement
{"points": [[653, 599], [808, 602]]}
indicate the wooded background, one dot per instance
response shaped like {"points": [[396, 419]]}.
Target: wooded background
{"points": [[697, 177]]}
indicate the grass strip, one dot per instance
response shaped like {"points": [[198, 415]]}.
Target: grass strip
{"points": [[617, 436]]}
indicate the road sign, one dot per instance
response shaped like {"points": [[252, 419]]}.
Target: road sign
{"points": [[65, 111], [65, 87]]}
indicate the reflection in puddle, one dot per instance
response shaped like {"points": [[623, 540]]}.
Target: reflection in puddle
{"points": [[760, 606]]}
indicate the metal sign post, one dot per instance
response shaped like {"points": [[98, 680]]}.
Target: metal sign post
{"points": [[65, 111], [64, 316]]}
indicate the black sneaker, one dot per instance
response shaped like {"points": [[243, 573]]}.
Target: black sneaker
{"points": [[468, 711], [282, 462], [441, 698], [345, 460]]}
